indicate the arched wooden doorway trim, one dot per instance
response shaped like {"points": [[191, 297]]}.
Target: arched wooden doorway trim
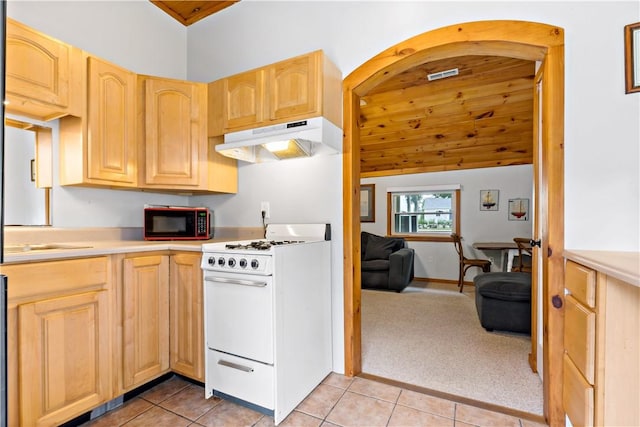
{"points": [[517, 39]]}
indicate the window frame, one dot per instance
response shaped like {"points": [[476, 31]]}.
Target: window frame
{"points": [[425, 237]]}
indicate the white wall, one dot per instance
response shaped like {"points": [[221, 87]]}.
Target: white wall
{"points": [[602, 130], [439, 260], [136, 35], [253, 33], [601, 122]]}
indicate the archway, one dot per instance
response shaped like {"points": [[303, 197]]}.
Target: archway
{"points": [[516, 39]]}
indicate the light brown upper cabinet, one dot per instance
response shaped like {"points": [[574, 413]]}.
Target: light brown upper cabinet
{"points": [[293, 87], [173, 131], [42, 74], [99, 147], [118, 129], [174, 151], [305, 86], [244, 96]]}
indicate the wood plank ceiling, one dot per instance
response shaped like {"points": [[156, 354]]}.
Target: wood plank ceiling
{"points": [[483, 117], [188, 12]]}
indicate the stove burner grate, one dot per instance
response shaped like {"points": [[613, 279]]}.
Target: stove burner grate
{"points": [[260, 245]]}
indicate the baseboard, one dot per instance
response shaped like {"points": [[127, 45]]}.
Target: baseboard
{"points": [[447, 281]]}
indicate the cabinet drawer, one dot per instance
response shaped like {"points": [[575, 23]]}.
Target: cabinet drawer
{"points": [[577, 395], [579, 336], [580, 281], [35, 281], [241, 378]]}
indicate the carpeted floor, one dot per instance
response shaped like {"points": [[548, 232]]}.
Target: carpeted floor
{"points": [[430, 336]]}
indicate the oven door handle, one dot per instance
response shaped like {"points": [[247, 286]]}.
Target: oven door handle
{"points": [[236, 282], [235, 366]]}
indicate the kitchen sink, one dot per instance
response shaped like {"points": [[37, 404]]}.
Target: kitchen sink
{"points": [[28, 247]]}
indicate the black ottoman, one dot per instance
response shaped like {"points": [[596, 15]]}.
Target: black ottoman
{"points": [[503, 301]]}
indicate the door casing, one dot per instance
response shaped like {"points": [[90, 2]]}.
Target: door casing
{"points": [[516, 39]]}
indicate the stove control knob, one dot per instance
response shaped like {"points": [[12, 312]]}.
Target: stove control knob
{"points": [[255, 264], [212, 261], [243, 263], [221, 262], [231, 262]]}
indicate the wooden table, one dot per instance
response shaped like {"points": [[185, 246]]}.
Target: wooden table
{"points": [[510, 247]]}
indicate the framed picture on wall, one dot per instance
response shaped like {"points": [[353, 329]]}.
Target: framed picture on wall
{"points": [[489, 200], [518, 210], [632, 57], [367, 202]]}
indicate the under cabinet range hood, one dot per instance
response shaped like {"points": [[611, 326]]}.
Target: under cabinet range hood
{"points": [[302, 138]]}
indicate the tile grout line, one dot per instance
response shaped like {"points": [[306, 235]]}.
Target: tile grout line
{"points": [[455, 412], [180, 415], [395, 405], [157, 405], [344, 391], [135, 416], [323, 419]]}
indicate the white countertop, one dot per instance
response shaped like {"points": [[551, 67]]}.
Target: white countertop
{"points": [[97, 248], [97, 241], [624, 266]]}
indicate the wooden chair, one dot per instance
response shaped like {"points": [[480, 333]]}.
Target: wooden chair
{"points": [[524, 249], [467, 263]]}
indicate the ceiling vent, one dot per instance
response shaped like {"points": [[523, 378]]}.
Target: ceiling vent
{"points": [[442, 74]]}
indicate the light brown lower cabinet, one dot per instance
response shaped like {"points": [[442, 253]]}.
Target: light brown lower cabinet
{"points": [[145, 319], [63, 347], [161, 312], [84, 331], [186, 354], [59, 340], [601, 380]]}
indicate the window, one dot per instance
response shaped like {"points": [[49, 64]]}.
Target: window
{"points": [[424, 213]]}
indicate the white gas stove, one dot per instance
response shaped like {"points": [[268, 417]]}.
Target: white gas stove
{"points": [[254, 256], [268, 316]]}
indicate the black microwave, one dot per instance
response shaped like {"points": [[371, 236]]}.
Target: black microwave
{"points": [[177, 223]]}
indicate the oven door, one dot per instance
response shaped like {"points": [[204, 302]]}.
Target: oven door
{"points": [[239, 315]]}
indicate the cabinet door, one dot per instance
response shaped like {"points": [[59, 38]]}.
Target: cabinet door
{"points": [[293, 87], [186, 325], [111, 136], [63, 357], [145, 331], [175, 133], [37, 73], [244, 99]]}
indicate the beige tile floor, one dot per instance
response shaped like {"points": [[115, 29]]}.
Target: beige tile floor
{"points": [[338, 401]]}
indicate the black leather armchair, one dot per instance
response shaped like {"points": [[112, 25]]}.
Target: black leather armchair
{"points": [[386, 262]]}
